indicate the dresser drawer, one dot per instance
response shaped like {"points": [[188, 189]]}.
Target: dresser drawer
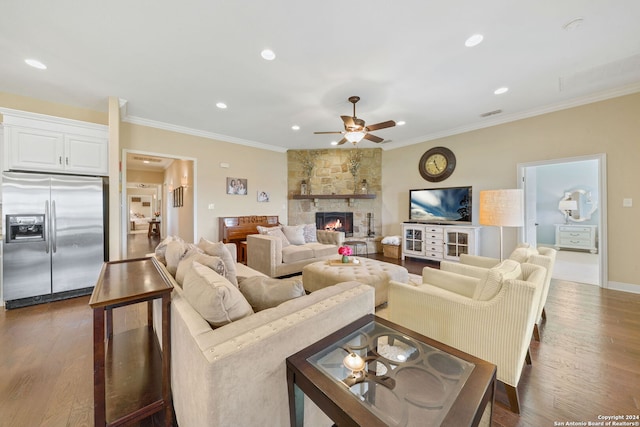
{"points": [[575, 235], [574, 229], [574, 241]]}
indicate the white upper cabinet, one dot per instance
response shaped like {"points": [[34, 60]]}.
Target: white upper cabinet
{"points": [[35, 142]]}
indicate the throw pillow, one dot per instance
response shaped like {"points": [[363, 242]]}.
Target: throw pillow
{"points": [[174, 252], [294, 233], [214, 297], [489, 288], [265, 230], [522, 254], [277, 232], [265, 292], [161, 249], [310, 234], [220, 250], [213, 262]]}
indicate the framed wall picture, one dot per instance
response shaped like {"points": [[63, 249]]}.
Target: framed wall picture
{"points": [[263, 196], [177, 197], [237, 186]]}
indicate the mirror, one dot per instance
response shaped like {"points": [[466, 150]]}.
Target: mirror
{"points": [[577, 205]]}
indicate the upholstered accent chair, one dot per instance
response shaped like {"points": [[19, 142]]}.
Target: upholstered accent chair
{"points": [[490, 317], [542, 256]]}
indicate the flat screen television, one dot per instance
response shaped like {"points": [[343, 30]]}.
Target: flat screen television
{"points": [[450, 205]]}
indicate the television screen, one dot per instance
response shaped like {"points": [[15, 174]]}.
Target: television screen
{"points": [[441, 205]]}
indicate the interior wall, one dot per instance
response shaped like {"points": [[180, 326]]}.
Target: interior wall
{"points": [[488, 158], [264, 170]]}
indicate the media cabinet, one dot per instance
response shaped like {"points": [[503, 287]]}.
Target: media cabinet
{"points": [[439, 242]]}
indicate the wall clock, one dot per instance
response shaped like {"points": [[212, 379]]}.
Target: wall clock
{"points": [[437, 164]]}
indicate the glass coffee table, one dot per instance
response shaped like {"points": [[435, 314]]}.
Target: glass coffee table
{"points": [[376, 373]]}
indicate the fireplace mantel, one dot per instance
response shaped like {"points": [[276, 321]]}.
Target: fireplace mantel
{"points": [[317, 197]]}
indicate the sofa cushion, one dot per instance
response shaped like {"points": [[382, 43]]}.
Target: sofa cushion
{"points": [[294, 253], [176, 250], [277, 232], [264, 230], [310, 234], [522, 254], [220, 250], [161, 249], [492, 283], [265, 292], [216, 299], [294, 233], [323, 250], [213, 262]]}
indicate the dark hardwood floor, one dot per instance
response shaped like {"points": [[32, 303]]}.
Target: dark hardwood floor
{"points": [[586, 365]]}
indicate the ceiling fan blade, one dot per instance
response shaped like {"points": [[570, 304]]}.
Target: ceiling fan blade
{"points": [[348, 121], [342, 141], [382, 125], [373, 138], [321, 133]]}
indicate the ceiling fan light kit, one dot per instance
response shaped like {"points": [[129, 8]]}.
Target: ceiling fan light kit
{"points": [[355, 129]]}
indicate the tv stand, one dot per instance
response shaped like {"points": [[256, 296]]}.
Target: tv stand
{"points": [[439, 241]]}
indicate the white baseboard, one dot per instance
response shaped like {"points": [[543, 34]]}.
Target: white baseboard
{"points": [[625, 287]]}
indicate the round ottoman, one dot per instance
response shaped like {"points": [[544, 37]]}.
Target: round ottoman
{"points": [[374, 273]]}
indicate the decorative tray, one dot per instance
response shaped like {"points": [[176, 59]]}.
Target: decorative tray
{"points": [[338, 263]]}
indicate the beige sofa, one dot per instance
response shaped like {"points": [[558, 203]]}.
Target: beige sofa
{"points": [[235, 375], [268, 255]]}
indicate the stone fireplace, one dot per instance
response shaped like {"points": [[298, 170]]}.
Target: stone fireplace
{"points": [[335, 221]]}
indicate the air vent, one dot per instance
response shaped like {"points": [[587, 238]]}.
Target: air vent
{"points": [[147, 159], [491, 113]]}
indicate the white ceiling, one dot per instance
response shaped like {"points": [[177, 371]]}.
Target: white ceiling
{"points": [[173, 61]]}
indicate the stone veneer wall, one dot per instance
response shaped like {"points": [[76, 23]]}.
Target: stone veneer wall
{"points": [[331, 176]]}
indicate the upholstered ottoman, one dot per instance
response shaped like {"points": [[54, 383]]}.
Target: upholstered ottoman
{"points": [[321, 274]]}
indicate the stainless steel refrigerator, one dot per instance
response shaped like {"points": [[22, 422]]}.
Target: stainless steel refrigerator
{"points": [[54, 236]]}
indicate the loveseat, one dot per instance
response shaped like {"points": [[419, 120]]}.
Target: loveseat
{"points": [[235, 375], [284, 250]]}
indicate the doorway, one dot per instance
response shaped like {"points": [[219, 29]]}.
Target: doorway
{"points": [[545, 184], [149, 180]]}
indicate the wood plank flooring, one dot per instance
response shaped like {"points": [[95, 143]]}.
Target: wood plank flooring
{"points": [[587, 362]]}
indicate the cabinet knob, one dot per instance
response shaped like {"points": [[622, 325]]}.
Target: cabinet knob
{"points": [[60, 160]]}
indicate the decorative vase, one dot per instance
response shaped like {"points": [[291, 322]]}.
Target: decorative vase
{"points": [[345, 259]]}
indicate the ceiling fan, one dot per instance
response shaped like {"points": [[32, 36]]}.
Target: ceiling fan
{"points": [[355, 129]]}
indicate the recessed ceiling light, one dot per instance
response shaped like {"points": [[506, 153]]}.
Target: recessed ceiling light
{"points": [[295, 127], [401, 123], [221, 105], [501, 90], [268, 54], [474, 40], [334, 142], [36, 64]]}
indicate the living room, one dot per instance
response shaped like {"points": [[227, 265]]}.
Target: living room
{"points": [[488, 157]]}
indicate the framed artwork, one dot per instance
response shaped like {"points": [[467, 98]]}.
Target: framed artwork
{"points": [[237, 186], [263, 196], [177, 197]]}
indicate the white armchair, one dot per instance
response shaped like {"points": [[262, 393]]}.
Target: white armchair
{"points": [[490, 317], [542, 256]]}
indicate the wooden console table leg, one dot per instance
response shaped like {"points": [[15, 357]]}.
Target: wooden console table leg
{"points": [[100, 416], [166, 359]]}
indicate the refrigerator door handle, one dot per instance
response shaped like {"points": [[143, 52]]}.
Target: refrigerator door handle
{"points": [[54, 228], [47, 229]]}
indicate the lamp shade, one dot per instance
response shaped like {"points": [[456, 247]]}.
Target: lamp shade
{"points": [[568, 205], [503, 208]]}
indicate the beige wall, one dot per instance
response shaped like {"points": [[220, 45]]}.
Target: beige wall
{"points": [[264, 169], [488, 158]]}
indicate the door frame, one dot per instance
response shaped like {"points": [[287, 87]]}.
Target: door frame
{"points": [[124, 213], [523, 170]]}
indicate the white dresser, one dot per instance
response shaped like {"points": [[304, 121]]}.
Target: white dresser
{"points": [[569, 236]]}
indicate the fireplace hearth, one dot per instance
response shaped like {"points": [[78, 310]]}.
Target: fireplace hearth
{"points": [[335, 221]]}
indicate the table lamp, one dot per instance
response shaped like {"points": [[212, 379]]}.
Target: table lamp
{"points": [[567, 206]]}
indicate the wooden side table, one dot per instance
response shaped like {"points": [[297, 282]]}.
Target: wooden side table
{"points": [[242, 252], [131, 374], [154, 228]]}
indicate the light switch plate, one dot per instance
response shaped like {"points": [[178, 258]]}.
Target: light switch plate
{"points": [[212, 206], [627, 203]]}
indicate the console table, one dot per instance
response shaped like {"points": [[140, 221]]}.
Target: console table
{"points": [[438, 242], [570, 236], [131, 374]]}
